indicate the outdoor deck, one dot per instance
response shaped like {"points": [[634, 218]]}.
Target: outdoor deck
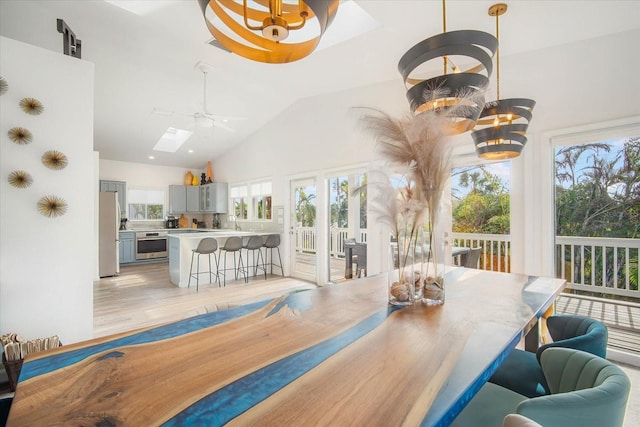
{"points": [[622, 318]]}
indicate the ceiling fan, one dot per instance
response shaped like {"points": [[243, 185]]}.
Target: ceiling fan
{"points": [[203, 117]]}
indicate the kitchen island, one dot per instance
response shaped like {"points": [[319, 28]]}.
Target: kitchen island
{"points": [[181, 247]]}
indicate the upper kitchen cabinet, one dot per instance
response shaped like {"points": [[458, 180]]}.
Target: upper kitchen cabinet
{"points": [[184, 199], [121, 188], [214, 197]]}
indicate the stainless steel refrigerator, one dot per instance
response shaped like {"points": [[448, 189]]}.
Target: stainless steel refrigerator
{"points": [[109, 238]]}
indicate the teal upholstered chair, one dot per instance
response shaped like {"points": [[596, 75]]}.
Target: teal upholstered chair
{"points": [[5, 405], [586, 391], [521, 371]]}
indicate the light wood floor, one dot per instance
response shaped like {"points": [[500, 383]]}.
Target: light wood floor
{"points": [[142, 296]]}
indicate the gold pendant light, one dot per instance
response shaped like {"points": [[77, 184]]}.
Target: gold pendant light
{"points": [[505, 121], [257, 30], [457, 93]]}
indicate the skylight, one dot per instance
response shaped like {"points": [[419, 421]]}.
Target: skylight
{"points": [[350, 21], [139, 7], [172, 140]]}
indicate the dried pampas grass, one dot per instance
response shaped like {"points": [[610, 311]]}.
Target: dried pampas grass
{"points": [[419, 145]]}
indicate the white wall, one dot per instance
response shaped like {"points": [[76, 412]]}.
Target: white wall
{"points": [[574, 84], [47, 264]]}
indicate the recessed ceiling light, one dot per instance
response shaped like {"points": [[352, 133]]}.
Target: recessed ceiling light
{"points": [[172, 140], [151, 158], [190, 151]]}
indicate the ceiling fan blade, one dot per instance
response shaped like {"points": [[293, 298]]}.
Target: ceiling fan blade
{"points": [[228, 118], [222, 125]]}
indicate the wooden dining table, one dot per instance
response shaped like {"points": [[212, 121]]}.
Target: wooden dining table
{"points": [[337, 355]]}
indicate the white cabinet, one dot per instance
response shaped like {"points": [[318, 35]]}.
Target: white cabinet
{"points": [[184, 199], [214, 198]]}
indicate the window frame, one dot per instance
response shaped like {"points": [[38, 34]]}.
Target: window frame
{"points": [[131, 201], [250, 202]]}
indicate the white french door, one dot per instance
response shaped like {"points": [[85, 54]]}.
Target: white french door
{"points": [[303, 229]]}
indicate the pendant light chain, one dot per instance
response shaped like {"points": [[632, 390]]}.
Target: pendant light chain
{"points": [[444, 30], [498, 57]]}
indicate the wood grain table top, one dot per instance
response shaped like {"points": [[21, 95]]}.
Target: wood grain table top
{"points": [[336, 355]]}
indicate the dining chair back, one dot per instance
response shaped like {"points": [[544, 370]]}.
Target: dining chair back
{"points": [[471, 258], [586, 391], [207, 246], [517, 420], [522, 372]]}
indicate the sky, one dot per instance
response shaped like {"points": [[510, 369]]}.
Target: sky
{"points": [[501, 169], [585, 159]]}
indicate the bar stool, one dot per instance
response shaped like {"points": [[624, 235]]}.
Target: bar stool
{"points": [[255, 243], [233, 245], [273, 242], [206, 246]]}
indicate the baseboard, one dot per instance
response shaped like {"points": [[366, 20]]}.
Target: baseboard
{"points": [[623, 357]]}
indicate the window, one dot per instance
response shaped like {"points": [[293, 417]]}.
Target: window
{"points": [[239, 200], [251, 201], [261, 199], [146, 205]]}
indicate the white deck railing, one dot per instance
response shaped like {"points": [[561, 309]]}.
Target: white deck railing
{"points": [[598, 264], [594, 264], [306, 240], [496, 249]]}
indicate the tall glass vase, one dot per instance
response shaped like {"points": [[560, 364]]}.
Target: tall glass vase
{"points": [[432, 265], [403, 272]]}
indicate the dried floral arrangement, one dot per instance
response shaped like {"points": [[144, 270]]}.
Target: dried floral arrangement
{"points": [[20, 135], [31, 106], [20, 179], [54, 159], [416, 148], [52, 206]]}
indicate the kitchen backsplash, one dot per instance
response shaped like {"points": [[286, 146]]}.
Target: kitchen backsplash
{"points": [[208, 220]]}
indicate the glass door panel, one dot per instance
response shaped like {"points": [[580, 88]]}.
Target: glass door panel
{"points": [[303, 229], [347, 250]]}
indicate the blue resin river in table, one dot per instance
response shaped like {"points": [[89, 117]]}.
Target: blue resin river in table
{"points": [[499, 324]]}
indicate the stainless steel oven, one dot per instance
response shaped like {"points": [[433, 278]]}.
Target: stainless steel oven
{"points": [[152, 244]]}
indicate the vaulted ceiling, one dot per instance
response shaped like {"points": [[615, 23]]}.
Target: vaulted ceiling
{"points": [[145, 54]]}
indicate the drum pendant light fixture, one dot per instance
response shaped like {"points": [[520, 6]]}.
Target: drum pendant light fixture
{"points": [[257, 29], [505, 121], [457, 93]]}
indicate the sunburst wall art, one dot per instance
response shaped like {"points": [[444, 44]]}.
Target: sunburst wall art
{"points": [[52, 206], [20, 135], [31, 106], [4, 86], [20, 179], [54, 159]]}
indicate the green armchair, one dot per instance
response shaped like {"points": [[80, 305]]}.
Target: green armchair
{"points": [[586, 391], [521, 371]]}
